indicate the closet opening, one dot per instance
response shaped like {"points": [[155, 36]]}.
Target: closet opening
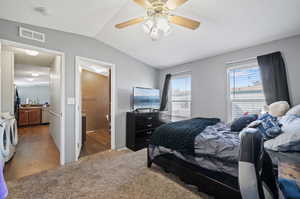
{"points": [[94, 108]]}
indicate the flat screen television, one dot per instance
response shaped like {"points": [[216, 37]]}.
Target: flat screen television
{"points": [[145, 98]]}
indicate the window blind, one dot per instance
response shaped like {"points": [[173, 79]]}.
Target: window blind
{"points": [[181, 96], [246, 91]]}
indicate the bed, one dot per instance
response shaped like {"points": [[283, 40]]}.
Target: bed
{"points": [[202, 152]]}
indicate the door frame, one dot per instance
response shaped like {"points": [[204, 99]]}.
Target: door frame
{"points": [[0, 75], [78, 66], [63, 98]]}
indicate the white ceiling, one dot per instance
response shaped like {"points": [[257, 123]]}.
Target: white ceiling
{"points": [[42, 59], [23, 75], [226, 25], [26, 65]]}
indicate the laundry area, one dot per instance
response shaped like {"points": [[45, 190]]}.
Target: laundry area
{"points": [[30, 123]]}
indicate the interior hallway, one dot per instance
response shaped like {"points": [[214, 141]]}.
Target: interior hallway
{"points": [[96, 141], [35, 152]]}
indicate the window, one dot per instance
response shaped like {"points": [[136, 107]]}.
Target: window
{"points": [[246, 91], [180, 96]]}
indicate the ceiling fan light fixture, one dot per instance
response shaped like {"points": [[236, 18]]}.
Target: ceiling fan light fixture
{"points": [[158, 20], [148, 25], [157, 27], [163, 24], [155, 34]]}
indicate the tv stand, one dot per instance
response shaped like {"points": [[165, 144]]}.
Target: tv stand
{"points": [[139, 128]]}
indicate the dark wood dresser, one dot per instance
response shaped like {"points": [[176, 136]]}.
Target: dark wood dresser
{"points": [[139, 128]]}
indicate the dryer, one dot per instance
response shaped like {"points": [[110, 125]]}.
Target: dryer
{"points": [[13, 137], [12, 134], [14, 131], [4, 141]]}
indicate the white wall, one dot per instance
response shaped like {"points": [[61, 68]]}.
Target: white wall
{"points": [[32, 92], [129, 71], [209, 75], [55, 97]]}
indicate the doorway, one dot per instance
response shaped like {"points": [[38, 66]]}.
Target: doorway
{"points": [[95, 107], [33, 90]]}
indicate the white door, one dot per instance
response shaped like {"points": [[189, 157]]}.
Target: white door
{"points": [[55, 110], [7, 81], [78, 133]]}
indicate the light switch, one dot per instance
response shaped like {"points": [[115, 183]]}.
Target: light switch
{"points": [[71, 100]]}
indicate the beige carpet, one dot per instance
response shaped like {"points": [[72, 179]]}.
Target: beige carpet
{"points": [[115, 175]]}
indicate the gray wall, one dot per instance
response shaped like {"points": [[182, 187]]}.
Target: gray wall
{"points": [[209, 77], [130, 72], [34, 92]]}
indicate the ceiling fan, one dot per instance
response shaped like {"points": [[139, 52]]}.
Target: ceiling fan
{"points": [[159, 17]]}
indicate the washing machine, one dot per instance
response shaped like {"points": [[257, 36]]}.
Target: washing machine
{"points": [[12, 134], [4, 141]]}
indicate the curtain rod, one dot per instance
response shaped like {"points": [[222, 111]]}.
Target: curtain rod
{"points": [[241, 60]]}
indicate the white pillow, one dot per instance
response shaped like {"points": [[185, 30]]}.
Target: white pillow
{"points": [[294, 111], [278, 109], [289, 140]]}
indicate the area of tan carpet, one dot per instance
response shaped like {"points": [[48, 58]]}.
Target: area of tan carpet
{"points": [[105, 175]]}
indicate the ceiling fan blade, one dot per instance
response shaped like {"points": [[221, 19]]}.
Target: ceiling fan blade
{"points": [[143, 3], [172, 4], [130, 22], [185, 22]]}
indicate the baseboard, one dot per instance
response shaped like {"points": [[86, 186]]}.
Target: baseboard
{"points": [[122, 149]]}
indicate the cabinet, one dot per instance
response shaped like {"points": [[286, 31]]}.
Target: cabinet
{"points": [[139, 128], [34, 116], [45, 115], [29, 116], [23, 118]]}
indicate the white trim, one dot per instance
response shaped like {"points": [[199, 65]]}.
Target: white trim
{"points": [[63, 101], [181, 73], [242, 60], [178, 75], [13, 87], [0, 76], [123, 149], [243, 65], [228, 97], [78, 61], [10, 60], [239, 65]]}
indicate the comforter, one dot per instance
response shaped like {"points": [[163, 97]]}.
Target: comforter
{"points": [[215, 148], [180, 136]]}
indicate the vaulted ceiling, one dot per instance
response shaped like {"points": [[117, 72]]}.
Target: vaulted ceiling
{"points": [[225, 25]]}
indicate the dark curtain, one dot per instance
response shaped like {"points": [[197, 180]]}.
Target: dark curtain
{"points": [[274, 78], [164, 97]]}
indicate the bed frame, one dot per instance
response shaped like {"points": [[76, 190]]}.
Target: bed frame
{"points": [[219, 185]]}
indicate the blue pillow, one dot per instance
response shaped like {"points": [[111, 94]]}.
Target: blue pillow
{"points": [[269, 126], [242, 122]]}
